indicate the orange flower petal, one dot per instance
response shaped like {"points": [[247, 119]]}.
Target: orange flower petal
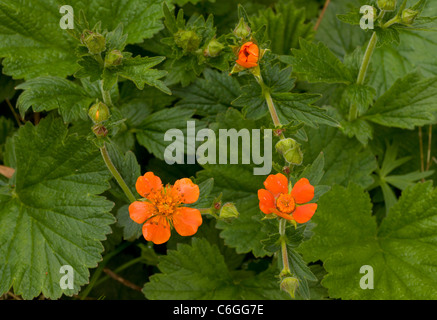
{"points": [[253, 50], [147, 184], [187, 220], [248, 55], [157, 230], [252, 59], [304, 213], [140, 211], [246, 64], [186, 190], [246, 45], [303, 191], [276, 184], [266, 201], [284, 215]]}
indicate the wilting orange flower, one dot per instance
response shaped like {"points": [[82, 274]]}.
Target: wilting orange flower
{"points": [[248, 55], [162, 208], [288, 205]]}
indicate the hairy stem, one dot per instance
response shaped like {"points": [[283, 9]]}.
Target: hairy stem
{"points": [[16, 116], [366, 60], [106, 96], [286, 267], [422, 166], [122, 280], [322, 14], [353, 112], [116, 174], [270, 104], [428, 157]]}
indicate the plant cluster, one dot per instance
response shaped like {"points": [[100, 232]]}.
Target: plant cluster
{"points": [[89, 117]]}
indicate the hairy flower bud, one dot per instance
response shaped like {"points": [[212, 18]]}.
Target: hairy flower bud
{"points": [[290, 150], [187, 40], [408, 16], [213, 48], [94, 41], [113, 58], [228, 210], [99, 130], [289, 285], [242, 30], [99, 112], [387, 5]]}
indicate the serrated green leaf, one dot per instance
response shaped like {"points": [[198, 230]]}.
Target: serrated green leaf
{"points": [[237, 183], [338, 36], [211, 95], [318, 64], [151, 131], [352, 17], [199, 271], [139, 70], [141, 19], [402, 251], [286, 24], [52, 215], [289, 106], [408, 103], [33, 44], [192, 272], [345, 159], [387, 36], [358, 128], [49, 93]]}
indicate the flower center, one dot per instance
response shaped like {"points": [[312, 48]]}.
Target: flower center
{"points": [[165, 203], [285, 203]]}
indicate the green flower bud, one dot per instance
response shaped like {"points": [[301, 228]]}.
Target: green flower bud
{"points": [[289, 285], [100, 131], [95, 42], [408, 16], [387, 5], [187, 40], [113, 58], [290, 150], [242, 30], [213, 48], [228, 210], [99, 112]]}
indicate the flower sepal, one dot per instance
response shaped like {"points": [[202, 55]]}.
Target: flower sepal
{"points": [[290, 150], [228, 211], [94, 41], [290, 285]]}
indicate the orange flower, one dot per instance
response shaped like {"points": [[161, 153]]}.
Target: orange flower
{"points": [[248, 55], [288, 205], [162, 208]]}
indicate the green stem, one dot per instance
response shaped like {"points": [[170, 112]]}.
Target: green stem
{"points": [[366, 60], [116, 174], [353, 112], [286, 266], [390, 22], [106, 95], [270, 104]]}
